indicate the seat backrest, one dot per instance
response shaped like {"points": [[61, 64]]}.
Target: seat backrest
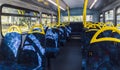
{"points": [[10, 46], [51, 38], [32, 52]]}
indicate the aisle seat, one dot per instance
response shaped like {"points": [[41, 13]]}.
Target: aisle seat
{"points": [[63, 35], [52, 48]]}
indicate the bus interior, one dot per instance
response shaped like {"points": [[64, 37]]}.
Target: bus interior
{"points": [[59, 34]]}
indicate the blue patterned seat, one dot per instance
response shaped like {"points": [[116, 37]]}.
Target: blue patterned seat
{"points": [[51, 42], [10, 46], [32, 53]]}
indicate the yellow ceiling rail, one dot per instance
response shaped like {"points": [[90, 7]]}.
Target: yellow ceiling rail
{"points": [[58, 5], [14, 27], [94, 38], [85, 12]]}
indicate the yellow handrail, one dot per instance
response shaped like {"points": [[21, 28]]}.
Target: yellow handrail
{"points": [[68, 9], [58, 5], [85, 12]]}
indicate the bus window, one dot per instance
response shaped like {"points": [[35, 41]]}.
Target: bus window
{"points": [[73, 18], [118, 16], [46, 19], [8, 21], [109, 16], [54, 19], [22, 18], [78, 18], [101, 17], [34, 20], [89, 18]]}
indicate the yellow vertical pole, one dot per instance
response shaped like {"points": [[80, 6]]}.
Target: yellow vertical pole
{"points": [[68, 9], [85, 12], [58, 5]]}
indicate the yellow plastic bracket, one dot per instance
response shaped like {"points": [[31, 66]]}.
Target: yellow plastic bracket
{"points": [[37, 26], [16, 27], [94, 38]]}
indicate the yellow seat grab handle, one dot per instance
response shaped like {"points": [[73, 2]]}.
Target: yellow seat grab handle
{"points": [[37, 26], [14, 26], [90, 30], [94, 38], [94, 26]]}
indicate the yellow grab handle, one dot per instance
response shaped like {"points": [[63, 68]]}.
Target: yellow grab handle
{"points": [[94, 38], [14, 26]]}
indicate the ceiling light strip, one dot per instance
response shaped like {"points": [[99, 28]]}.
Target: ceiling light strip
{"points": [[55, 4], [93, 4]]}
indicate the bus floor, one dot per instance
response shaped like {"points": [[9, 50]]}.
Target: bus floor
{"points": [[69, 58]]}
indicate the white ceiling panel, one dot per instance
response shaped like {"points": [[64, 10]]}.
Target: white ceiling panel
{"points": [[74, 3]]}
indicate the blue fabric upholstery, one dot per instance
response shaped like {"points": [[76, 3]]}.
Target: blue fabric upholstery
{"points": [[10, 46], [32, 52], [51, 42]]}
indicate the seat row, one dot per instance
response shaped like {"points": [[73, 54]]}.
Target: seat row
{"points": [[32, 50]]}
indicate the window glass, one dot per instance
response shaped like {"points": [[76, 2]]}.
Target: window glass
{"points": [[89, 18], [18, 11], [118, 16], [109, 16], [46, 19], [54, 19], [77, 18], [10, 10], [101, 18], [22, 22]]}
